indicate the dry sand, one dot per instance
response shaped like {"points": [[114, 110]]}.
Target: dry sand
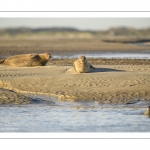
{"points": [[117, 84]]}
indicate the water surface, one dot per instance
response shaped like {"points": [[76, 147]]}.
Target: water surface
{"points": [[60, 116], [142, 55]]}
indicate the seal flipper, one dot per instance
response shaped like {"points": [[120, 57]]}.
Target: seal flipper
{"points": [[34, 55], [2, 61], [74, 67], [92, 67]]}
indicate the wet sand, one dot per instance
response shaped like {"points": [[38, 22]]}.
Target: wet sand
{"points": [[66, 46], [110, 84], [8, 96], [100, 61]]}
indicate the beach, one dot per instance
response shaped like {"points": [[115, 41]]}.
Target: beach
{"points": [[107, 84], [55, 98], [115, 81], [67, 46]]}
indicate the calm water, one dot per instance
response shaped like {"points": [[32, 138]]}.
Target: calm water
{"points": [[142, 55], [74, 117], [93, 54]]}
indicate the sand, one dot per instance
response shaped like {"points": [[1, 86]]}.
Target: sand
{"points": [[100, 61], [66, 46], [109, 84], [8, 96]]}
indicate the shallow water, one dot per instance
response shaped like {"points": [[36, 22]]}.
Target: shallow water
{"points": [[61, 116], [143, 55], [108, 55]]}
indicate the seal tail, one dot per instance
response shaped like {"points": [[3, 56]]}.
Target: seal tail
{"points": [[2, 61]]}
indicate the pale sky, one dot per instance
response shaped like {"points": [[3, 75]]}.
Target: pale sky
{"points": [[79, 23]]}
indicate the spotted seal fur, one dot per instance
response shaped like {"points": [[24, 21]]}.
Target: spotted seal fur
{"points": [[27, 60]]}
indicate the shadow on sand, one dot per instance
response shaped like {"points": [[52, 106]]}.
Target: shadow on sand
{"points": [[106, 70], [71, 70]]}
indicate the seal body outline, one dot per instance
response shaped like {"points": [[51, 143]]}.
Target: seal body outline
{"points": [[147, 112], [27, 60], [81, 65]]}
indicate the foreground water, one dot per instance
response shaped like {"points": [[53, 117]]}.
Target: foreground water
{"points": [[60, 116]]}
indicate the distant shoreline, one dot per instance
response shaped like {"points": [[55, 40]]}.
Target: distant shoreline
{"points": [[68, 46]]}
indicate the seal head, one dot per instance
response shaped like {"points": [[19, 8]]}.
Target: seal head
{"points": [[83, 59], [147, 112]]}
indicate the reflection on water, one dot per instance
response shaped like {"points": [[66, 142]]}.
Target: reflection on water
{"points": [[61, 116], [145, 55]]}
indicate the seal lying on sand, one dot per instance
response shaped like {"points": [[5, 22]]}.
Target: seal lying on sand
{"points": [[27, 60], [147, 112], [81, 65]]}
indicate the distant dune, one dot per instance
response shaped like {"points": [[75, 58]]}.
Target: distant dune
{"points": [[112, 32], [72, 41]]}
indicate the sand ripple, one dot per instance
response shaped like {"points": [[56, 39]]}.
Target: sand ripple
{"points": [[106, 84]]}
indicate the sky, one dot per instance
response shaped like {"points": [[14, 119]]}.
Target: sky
{"points": [[78, 23]]}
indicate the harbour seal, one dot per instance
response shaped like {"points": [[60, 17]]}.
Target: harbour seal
{"points": [[27, 60], [147, 112], [81, 65]]}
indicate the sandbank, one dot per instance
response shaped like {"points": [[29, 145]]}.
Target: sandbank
{"points": [[109, 84]]}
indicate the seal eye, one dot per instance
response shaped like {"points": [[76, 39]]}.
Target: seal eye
{"points": [[48, 54]]}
